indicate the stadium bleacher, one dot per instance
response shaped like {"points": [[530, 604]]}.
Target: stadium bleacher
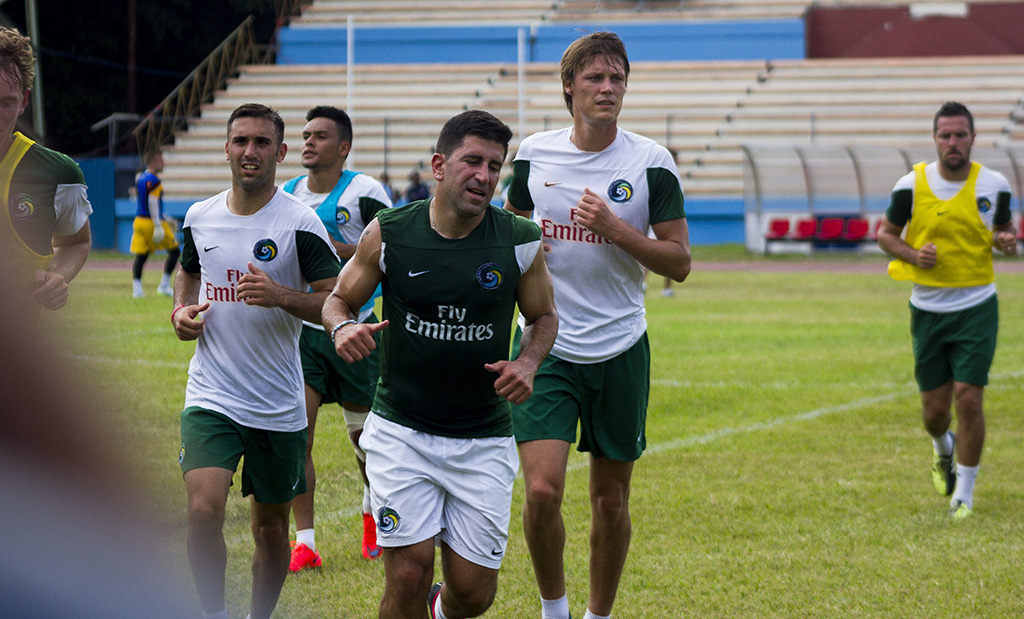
{"points": [[705, 111]]}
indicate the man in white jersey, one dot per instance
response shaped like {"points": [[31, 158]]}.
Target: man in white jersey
{"points": [[955, 212], [255, 263], [345, 201], [439, 448], [593, 189]]}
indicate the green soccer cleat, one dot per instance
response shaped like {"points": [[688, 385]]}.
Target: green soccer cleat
{"points": [[959, 511], [944, 471]]}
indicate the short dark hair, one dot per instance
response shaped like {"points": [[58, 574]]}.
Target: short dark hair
{"points": [[482, 124], [582, 50], [950, 109], [151, 152], [258, 110], [340, 118]]}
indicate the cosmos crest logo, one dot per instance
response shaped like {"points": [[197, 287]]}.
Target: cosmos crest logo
{"points": [[984, 205], [620, 191], [489, 275], [343, 216], [388, 520], [22, 207], [265, 250]]}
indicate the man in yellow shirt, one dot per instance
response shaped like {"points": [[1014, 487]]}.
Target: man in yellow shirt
{"points": [[955, 211]]}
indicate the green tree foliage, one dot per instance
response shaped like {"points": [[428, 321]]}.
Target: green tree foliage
{"points": [[83, 52]]}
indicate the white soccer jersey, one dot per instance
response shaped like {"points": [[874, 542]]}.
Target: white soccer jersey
{"points": [[598, 287], [356, 207], [362, 199], [246, 364]]}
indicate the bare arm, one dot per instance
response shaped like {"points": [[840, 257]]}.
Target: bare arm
{"points": [[892, 243], [536, 300], [69, 255], [344, 250], [257, 288], [355, 285]]}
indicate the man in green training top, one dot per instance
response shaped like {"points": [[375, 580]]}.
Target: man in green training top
{"points": [[439, 449]]}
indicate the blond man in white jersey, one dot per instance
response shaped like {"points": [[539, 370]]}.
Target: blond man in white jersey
{"points": [[593, 189]]}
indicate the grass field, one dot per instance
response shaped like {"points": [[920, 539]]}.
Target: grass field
{"points": [[786, 474]]}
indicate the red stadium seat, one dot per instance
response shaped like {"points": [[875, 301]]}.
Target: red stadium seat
{"points": [[805, 229], [778, 228], [831, 229], [856, 229]]}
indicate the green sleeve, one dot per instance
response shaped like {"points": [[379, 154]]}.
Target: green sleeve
{"points": [[189, 255], [666, 201], [900, 206], [519, 190], [1003, 214], [317, 259]]}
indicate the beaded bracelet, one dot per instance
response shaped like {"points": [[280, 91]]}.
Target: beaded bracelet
{"points": [[340, 325]]}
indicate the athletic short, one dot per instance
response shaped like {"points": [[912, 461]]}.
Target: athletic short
{"points": [[424, 486], [607, 399], [142, 236], [275, 462], [955, 346], [329, 375]]}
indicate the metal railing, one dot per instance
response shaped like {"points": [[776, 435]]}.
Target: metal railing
{"points": [[184, 102]]}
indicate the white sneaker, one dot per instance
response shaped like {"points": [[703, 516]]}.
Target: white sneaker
{"points": [[668, 293], [167, 291]]}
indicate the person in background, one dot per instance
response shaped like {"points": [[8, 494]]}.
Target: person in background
{"points": [[152, 229], [345, 201], [955, 211]]}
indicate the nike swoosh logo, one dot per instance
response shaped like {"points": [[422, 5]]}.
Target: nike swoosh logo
{"points": [[551, 183], [418, 273], [941, 212], [208, 248], [496, 553]]}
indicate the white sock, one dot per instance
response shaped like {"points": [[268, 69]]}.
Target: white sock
{"points": [[218, 615], [438, 614], [165, 280], [964, 485], [944, 444], [555, 609], [307, 537], [366, 500], [137, 286], [591, 615]]}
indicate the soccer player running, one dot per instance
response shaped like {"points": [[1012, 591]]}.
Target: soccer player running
{"points": [[345, 201], [439, 449], [255, 263], [954, 211], [594, 189], [151, 231], [44, 222]]}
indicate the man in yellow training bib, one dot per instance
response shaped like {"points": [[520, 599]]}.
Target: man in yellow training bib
{"points": [[955, 211]]}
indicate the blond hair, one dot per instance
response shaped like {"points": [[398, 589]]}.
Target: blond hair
{"points": [[17, 62]]}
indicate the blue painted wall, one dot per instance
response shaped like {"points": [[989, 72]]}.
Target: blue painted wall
{"points": [[645, 41], [99, 177]]}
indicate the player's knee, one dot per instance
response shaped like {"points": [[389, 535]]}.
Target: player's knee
{"points": [[543, 494], [472, 600]]}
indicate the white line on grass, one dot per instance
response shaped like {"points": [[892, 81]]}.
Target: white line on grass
{"points": [[125, 361]]}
